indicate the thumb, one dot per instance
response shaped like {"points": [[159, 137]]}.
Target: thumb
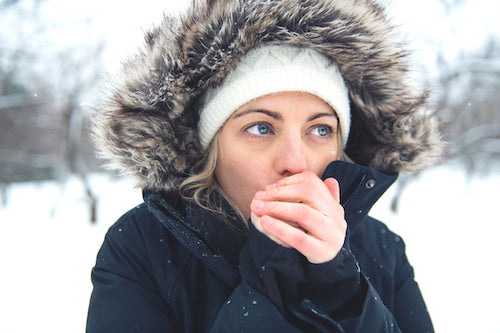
{"points": [[333, 186]]}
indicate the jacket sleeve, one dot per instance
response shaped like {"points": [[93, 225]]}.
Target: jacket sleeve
{"points": [[330, 297], [124, 298]]}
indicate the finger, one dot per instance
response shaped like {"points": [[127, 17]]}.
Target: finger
{"points": [[314, 222], [315, 250], [316, 194], [256, 222], [302, 177], [333, 186]]}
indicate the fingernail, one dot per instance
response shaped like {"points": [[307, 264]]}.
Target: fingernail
{"points": [[257, 204], [270, 187], [261, 194]]}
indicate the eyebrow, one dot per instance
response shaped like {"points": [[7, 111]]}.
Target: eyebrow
{"points": [[322, 114], [274, 115], [278, 116]]}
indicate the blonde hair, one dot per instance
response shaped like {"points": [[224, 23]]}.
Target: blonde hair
{"points": [[202, 186]]}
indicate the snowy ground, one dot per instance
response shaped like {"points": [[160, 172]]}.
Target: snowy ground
{"points": [[47, 248]]}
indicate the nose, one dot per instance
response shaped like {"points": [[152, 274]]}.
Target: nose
{"points": [[290, 157]]}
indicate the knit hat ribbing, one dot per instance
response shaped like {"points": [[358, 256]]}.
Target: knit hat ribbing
{"points": [[271, 69]]}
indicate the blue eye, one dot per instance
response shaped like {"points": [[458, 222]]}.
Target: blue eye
{"points": [[259, 129], [322, 130]]}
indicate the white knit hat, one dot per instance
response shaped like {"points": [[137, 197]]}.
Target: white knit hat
{"points": [[271, 69]]}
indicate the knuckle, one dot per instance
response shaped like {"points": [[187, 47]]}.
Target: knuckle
{"points": [[268, 207], [310, 176], [307, 190], [341, 230], [299, 240], [275, 207], [281, 231], [303, 213], [276, 191], [336, 211]]}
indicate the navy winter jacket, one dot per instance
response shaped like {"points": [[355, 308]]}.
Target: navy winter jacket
{"points": [[170, 266]]}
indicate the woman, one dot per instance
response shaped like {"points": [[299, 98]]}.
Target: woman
{"points": [[262, 132]]}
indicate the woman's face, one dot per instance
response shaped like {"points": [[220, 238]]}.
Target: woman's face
{"points": [[273, 137]]}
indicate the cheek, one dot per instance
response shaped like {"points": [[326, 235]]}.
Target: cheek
{"points": [[248, 173], [241, 175], [241, 179], [321, 158]]}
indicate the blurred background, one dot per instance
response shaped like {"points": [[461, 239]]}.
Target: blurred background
{"points": [[56, 201]]}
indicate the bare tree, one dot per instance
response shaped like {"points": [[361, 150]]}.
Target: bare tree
{"points": [[43, 84], [465, 94], [469, 105], [467, 100]]}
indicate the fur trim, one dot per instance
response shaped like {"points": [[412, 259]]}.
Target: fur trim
{"points": [[148, 128]]}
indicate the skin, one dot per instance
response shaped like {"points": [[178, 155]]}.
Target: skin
{"points": [[272, 152]]}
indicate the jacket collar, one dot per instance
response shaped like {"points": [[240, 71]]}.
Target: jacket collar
{"points": [[360, 188], [209, 238], [204, 233]]}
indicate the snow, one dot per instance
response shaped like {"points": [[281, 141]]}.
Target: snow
{"points": [[450, 224], [47, 248], [448, 220]]}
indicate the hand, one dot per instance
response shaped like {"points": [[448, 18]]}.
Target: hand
{"points": [[302, 212]]}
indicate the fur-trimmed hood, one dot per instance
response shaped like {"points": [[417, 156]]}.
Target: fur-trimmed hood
{"points": [[148, 128]]}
